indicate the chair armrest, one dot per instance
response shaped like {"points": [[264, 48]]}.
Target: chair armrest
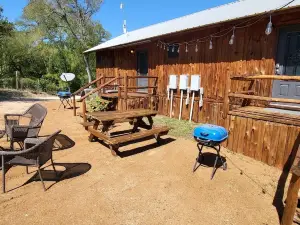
{"points": [[34, 141]]}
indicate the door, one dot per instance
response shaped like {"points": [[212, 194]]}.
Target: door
{"points": [[288, 63], [142, 70]]}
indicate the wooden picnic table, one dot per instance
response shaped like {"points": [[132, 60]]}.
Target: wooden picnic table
{"points": [[134, 117]]}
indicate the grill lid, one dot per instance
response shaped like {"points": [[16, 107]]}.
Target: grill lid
{"points": [[211, 132], [64, 93]]}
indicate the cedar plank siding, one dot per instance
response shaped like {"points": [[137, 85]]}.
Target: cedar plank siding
{"points": [[253, 52]]}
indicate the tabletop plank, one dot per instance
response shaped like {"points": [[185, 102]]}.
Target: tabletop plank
{"points": [[116, 115]]}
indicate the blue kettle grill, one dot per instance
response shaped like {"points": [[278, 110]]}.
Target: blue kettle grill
{"points": [[210, 136]]}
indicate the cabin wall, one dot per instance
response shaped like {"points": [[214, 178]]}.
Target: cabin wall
{"points": [[253, 52]]}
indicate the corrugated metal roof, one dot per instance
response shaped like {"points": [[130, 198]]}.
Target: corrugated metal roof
{"points": [[231, 11]]}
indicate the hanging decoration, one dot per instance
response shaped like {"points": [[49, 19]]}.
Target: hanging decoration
{"points": [[269, 27], [231, 41], [248, 23]]}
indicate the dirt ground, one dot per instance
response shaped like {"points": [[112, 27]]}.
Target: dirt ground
{"points": [[149, 184]]}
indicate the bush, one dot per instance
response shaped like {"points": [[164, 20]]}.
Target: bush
{"points": [[95, 104]]}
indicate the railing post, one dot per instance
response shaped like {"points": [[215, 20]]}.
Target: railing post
{"points": [[125, 90], [84, 111], [120, 98], [74, 106]]}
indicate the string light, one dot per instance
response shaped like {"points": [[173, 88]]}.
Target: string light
{"points": [[173, 49], [168, 48], [157, 44], [269, 27], [231, 41], [210, 44], [225, 32], [164, 47]]}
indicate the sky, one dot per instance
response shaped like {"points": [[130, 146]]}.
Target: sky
{"points": [[138, 13]]}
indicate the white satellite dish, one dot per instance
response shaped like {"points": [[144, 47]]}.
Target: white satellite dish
{"points": [[67, 76]]}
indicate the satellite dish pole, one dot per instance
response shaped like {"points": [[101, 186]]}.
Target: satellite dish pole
{"points": [[124, 20]]}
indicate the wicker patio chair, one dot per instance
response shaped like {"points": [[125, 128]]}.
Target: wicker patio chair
{"points": [[36, 152], [18, 133]]}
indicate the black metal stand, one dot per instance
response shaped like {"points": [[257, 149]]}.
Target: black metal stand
{"points": [[65, 101], [200, 157]]}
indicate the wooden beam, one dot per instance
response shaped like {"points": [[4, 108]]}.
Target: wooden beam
{"points": [[87, 85], [267, 99], [270, 77], [291, 201], [138, 77], [125, 91], [98, 88], [136, 87]]}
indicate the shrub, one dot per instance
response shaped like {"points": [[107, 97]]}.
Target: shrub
{"points": [[95, 103]]}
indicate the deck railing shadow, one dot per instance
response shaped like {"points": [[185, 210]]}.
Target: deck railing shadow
{"points": [[71, 170], [278, 200], [138, 150]]}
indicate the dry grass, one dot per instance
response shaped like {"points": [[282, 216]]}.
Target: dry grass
{"points": [[179, 128]]}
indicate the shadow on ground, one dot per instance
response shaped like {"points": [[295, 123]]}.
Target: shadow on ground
{"points": [[208, 160], [71, 170]]}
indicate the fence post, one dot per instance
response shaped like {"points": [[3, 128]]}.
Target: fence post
{"points": [[17, 80], [74, 105]]}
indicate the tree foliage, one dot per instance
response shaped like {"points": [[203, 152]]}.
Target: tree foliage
{"points": [[50, 38]]}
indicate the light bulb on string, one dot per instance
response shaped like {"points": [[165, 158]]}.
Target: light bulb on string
{"points": [[160, 45], [186, 48], [164, 47], [178, 50], [231, 41], [196, 48], [210, 44], [157, 44], [173, 48], [168, 48], [269, 27]]}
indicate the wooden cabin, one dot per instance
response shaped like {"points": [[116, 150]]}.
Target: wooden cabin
{"points": [[261, 113]]}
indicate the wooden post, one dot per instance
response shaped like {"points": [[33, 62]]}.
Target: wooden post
{"points": [[84, 111], [125, 90], [292, 199], [120, 98], [74, 106], [17, 80], [226, 98]]}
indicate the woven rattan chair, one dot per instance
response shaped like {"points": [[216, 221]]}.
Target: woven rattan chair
{"points": [[36, 152], [18, 133]]}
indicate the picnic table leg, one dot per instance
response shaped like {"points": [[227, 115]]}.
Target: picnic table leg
{"points": [[150, 121], [114, 149], [95, 127]]}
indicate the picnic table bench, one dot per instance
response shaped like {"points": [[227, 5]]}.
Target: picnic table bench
{"points": [[134, 117]]}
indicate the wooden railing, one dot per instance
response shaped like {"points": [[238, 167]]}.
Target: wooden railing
{"points": [[249, 94], [80, 90], [126, 87], [123, 90]]}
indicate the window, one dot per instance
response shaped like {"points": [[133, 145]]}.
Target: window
{"points": [[173, 52]]}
